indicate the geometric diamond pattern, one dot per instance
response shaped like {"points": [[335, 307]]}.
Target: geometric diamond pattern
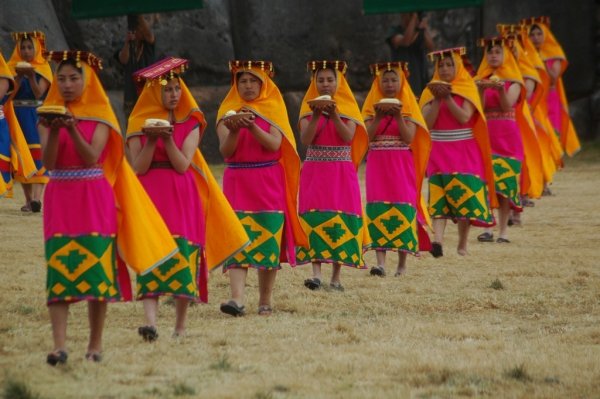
{"points": [[265, 230], [507, 176], [393, 226], [459, 196], [81, 267], [332, 238], [178, 276]]}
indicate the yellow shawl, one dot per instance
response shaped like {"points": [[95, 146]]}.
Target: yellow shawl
{"points": [[269, 105], [39, 63], [225, 235], [20, 157], [421, 144], [143, 239], [464, 86], [533, 182], [347, 107]]}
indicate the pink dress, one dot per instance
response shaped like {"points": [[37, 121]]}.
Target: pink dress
{"points": [[507, 147], [456, 171], [329, 202], [392, 213], [254, 184], [80, 226], [177, 199]]}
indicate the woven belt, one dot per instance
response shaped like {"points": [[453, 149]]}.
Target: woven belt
{"points": [[1, 111], [383, 142], [248, 165], [491, 115], [27, 103], [451, 135], [77, 174], [161, 165], [325, 153]]}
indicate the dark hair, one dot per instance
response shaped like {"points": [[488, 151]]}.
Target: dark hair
{"points": [[323, 69], [25, 39], [132, 22], [492, 45], [535, 26], [69, 61]]}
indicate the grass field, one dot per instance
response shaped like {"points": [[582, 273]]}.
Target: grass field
{"points": [[518, 320]]}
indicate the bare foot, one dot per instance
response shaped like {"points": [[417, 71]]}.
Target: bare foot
{"points": [[462, 252], [400, 271]]}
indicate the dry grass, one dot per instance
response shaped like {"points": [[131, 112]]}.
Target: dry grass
{"points": [[441, 331]]}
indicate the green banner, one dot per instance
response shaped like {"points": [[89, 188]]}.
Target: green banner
{"points": [[399, 6], [109, 8]]}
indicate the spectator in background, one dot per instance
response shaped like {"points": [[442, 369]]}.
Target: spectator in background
{"points": [[137, 53], [409, 42]]}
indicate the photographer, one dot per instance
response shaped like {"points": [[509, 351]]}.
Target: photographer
{"points": [[137, 53], [411, 41]]}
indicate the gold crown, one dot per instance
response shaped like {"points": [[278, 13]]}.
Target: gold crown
{"points": [[441, 54], [161, 71], [236, 66], [495, 41], [536, 20], [388, 66], [76, 55], [341, 66]]}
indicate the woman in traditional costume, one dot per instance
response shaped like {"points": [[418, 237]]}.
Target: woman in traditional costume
{"points": [[556, 63], [260, 179], [461, 181], [398, 152], [503, 95], [179, 182], [330, 201], [33, 77], [15, 157], [97, 215]]}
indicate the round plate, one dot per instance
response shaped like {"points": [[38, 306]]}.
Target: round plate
{"points": [[23, 70], [320, 103], [239, 115], [385, 107], [487, 84], [431, 84], [157, 129], [49, 116]]}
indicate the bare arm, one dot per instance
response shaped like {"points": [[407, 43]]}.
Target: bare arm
{"points": [[89, 152], [181, 159], [407, 128], [38, 88], [228, 138], [49, 142], [428, 40], [4, 86], [509, 97], [431, 111], [373, 124], [409, 36], [145, 29], [530, 87], [124, 53], [270, 140], [346, 129], [141, 155], [554, 72], [308, 129], [462, 114]]}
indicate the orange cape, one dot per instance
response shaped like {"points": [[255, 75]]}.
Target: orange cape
{"points": [[20, 158], [143, 240], [269, 105], [421, 144], [39, 63], [533, 175], [464, 86], [225, 235]]}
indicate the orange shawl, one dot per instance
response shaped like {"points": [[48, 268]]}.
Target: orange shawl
{"points": [[464, 86], [20, 158], [347, 107], [533, 179], [269, 105], [421, 144], [39, 63], [143, 240], [225, 235]]}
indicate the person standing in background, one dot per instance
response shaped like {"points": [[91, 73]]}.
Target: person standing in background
{"points": [[410, 42], [137, 53]]}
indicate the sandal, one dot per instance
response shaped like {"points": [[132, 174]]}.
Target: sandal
{"points": [[336, 286], [312, 283], [232, 308], [485, 237], [26, 208], [436, 250], [36, 206], [265, 310], [57, 357], [149, 333], [377, 271], [502, 240], [93, 356]]}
